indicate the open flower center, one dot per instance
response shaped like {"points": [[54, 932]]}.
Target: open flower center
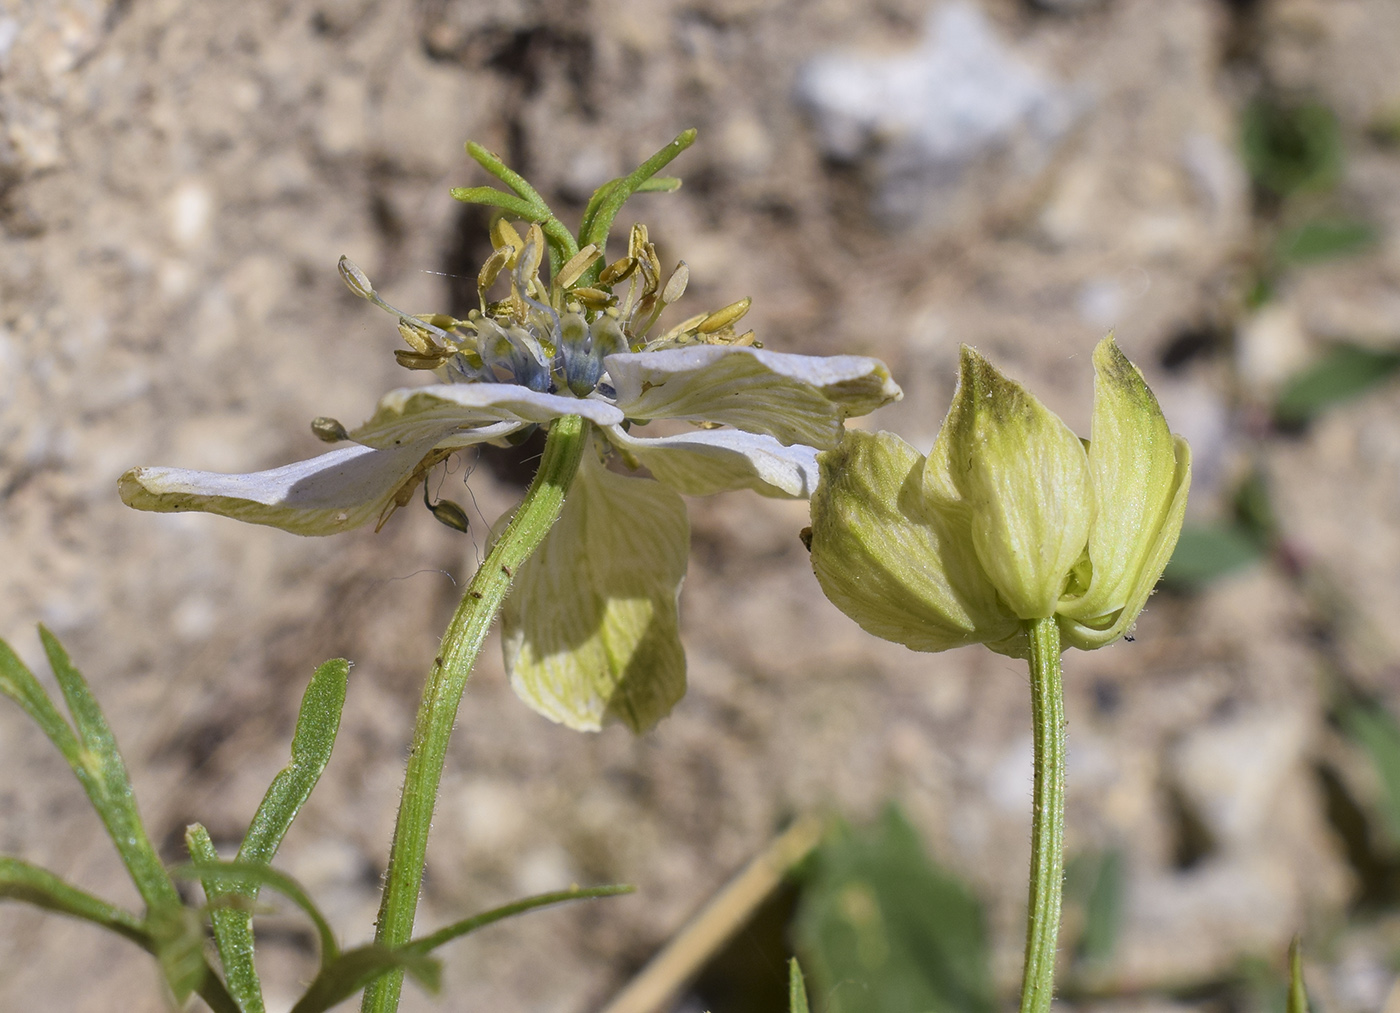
{"points": [[553, 337]]}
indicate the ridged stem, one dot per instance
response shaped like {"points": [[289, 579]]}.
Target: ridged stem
{"points": [[1048, 818], [443, 692]]}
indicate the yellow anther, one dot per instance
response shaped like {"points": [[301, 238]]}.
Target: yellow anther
{"points": [[355, 279], [504, 237], [594, 298], [415, 336], [725, 317], [491, 270], [675, 287], [421, 360], [575, 266], [637, 241], [533, 254], [618, 271], [688, 325]]}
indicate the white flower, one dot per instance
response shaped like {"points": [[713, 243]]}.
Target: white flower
{"points": [[591, 626]]}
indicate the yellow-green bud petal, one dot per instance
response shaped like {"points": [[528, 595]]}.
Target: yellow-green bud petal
{"points": [[1025, 478], [1133, 459], [890, 559], [1160, 545]]}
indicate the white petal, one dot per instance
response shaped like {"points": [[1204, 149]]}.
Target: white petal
{"points": [[591, 631], [330, 493], [411, 414], [795, 398], [718, 460]]}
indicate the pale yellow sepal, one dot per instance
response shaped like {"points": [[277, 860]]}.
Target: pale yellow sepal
{"points": [[1141, 474], [1009, 519], [591, 629], [1162, 542], [1024, 478], [895, 562]]}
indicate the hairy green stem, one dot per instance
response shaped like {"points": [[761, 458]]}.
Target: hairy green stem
{"points": [[1048, 820], [438, 711]]}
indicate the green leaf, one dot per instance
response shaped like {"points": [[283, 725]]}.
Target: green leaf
{"points": [[317, 724], [28, 883], [178, 937], [607, 201], [562, 245], [1344, 373], [232, 924], [250, 875], [19, 684], [884, 930], [456, 930], [1378, 734], [1205, 554], [660, 184], [491, 197], [103, 775], [354, 969], [1324, 240], [493, 163], [1291, 147], [591, 631], [1297, 990], [797, 989]]}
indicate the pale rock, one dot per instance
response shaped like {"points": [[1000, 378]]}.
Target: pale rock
{"points": [[932, 111], [1233, 770], [1270, 347]]}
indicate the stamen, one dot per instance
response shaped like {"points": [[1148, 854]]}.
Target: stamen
{"points": [[575, 266], [724, 317]]}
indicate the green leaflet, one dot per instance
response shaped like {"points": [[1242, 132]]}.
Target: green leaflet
{"points": [[591, 628]]}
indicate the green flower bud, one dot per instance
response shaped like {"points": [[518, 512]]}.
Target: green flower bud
{"points": [[1010, 518]]}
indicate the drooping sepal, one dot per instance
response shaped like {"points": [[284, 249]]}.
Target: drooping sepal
{"points": [[719, 460], [591, 628], [322, 496]]}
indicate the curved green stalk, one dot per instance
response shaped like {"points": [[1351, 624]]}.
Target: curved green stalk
{"points": [[438, 711], [1048, 820]]}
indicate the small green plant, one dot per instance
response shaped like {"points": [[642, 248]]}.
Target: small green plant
{"points": [[173, 931]]}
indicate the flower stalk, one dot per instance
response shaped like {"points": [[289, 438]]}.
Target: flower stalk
{"points": [[452, 667], [1048, 817]]}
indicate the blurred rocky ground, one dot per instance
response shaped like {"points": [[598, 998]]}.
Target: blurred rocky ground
{"points": [[176, 182]]}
